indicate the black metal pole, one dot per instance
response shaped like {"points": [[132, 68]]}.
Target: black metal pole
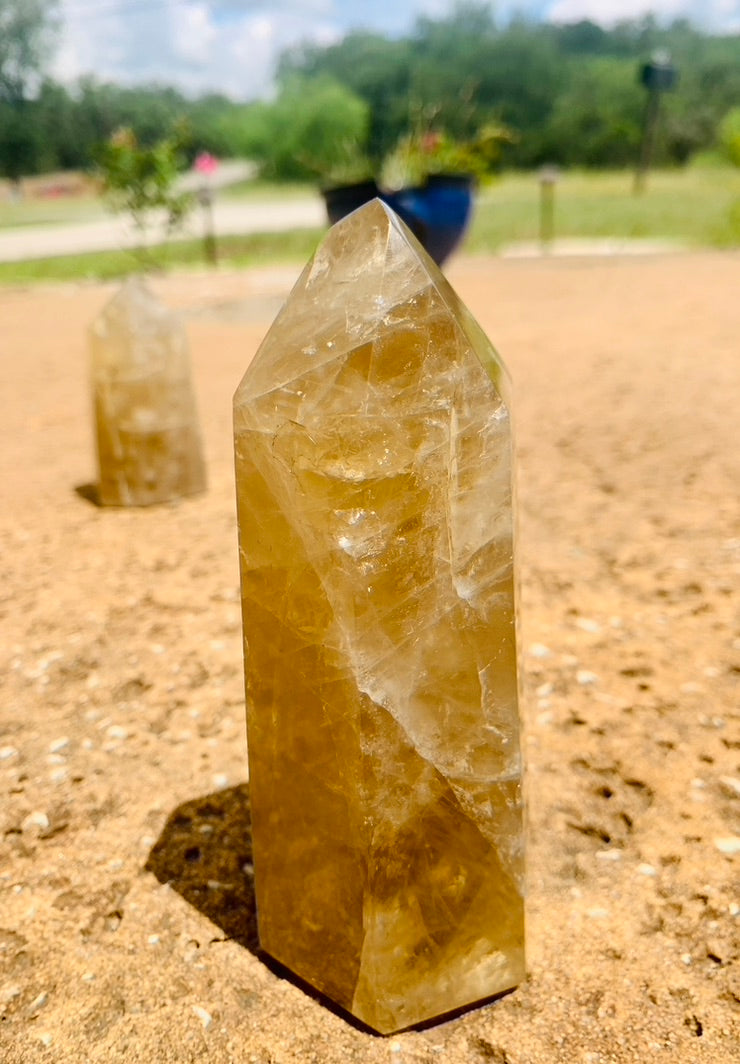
{"points": [[649, 127]]}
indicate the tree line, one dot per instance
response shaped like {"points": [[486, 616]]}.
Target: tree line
{"points": [[565, 94]]}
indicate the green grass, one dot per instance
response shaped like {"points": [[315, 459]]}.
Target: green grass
{"points": [[697, 207], [258, 249]]}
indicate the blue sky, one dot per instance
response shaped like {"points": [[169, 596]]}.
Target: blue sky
{"points": [[232, 45]]}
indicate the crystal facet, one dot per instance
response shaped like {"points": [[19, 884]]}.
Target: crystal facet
{"points": [[145, 419], [373, 468]]}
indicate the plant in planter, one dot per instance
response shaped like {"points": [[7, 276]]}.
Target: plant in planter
{"points": [[419, 156], [429, 179], [349, 182]]}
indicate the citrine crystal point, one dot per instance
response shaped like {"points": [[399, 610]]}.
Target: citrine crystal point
{"points": [[374, 492], [146, 427]]}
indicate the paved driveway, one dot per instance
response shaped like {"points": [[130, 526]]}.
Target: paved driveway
{"points": [[271, 216]]}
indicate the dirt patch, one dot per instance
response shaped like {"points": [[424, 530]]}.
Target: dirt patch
{"points": [[122, 753]]}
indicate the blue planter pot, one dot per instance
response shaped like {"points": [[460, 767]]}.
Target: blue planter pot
{"points": [[441, 209], [341, 200], [437, 213]]}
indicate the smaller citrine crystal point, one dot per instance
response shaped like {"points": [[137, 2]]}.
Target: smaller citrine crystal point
{"points": [[147, 435], [374, 489]]}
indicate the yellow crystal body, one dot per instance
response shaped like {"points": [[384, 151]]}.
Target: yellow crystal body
{"points": [[148, 442], [373, 467]]}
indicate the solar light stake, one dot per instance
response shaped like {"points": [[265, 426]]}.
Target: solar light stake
{"points": [[549, 176]]}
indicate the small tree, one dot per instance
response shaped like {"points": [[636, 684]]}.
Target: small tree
{"points": [[142, 181], [27, 28], [315, 128]]}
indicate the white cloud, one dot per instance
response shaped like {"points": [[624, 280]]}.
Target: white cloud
{"points": [[232, 46], [720, 15], [194, 34]]}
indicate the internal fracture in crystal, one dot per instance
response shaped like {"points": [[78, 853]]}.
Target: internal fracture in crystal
{"points": [[374, 489], [147, 435]]}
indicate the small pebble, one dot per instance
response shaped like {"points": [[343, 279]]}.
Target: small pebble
{"points": [[220, 780], [711, 722], [733, 908], [544, 690], [646, 870], [88, 976], [58, 745], [9, 993], [37, 819], [396, 1047], [609, 855], [729, 845], [59, 775], [153, 940], [45, 1038], [117, 731], [686, 958], [6, 752], [39, 1002], [204, 1016], [539, 650], [586, 624], [730, 784], [597, 913], [584, 677]]}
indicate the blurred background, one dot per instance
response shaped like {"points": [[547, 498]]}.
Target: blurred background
{"points": [[575, 118]]}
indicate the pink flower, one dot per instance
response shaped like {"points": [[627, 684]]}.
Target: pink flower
{"points": [[205, 164]]}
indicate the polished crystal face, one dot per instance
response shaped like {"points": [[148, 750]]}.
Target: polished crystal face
{"points": [[373, 471], [146, 426]]}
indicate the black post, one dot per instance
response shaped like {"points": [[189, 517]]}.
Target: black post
{"points": [[658, 76], [210, 249]]}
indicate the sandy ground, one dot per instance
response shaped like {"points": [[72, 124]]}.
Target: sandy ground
{"points": [[122, 748]]}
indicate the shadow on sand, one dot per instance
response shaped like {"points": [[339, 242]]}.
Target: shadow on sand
{"points": [[205, 854], [88, 492]]}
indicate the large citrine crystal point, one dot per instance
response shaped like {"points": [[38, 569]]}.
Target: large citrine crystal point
{"points": [[373, 469], [148, 440]]}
